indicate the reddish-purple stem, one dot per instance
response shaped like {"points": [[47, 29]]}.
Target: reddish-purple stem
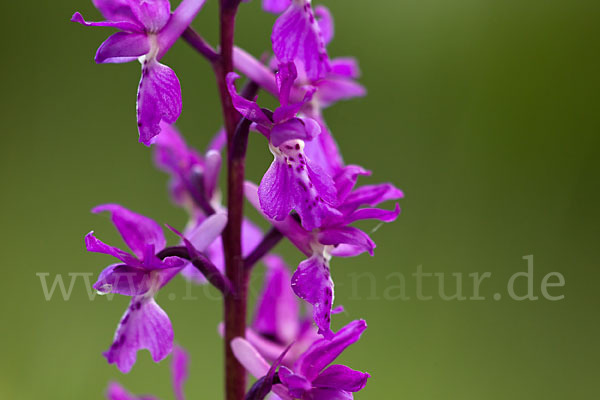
{"points": [[236, 300]]}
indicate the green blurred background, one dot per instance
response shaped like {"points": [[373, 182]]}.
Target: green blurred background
{"points": [[484, 112]]}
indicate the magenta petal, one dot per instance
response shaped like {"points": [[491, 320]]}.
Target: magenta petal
{"points": [[159, 98], [285, 77], [297, 385], [143, 326], [123, 47], [275, 6], [371, 195], [293, 182], [255, 70], [323, 352], [347, 235], [342, 378], [123, 279], [249, 357], [179, 371], [95, 245], [325, 21], [117, 392], [153, 14], [172, 155], [346, 179], [374, 213], [181, 18], [115, 10], [296, 37], [138, 231], [277, 308], [212, 170], [247, 108], [323, 150], [330, 394], [332, 90], [207, 231], [275, 191], [127, 26], [312, 282], [344, 67], [304, 129], [288, 226]]}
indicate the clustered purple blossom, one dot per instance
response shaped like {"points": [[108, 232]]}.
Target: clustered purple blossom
{"points": [[308, 194]]}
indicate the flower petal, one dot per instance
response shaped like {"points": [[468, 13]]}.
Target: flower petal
{"points": [[347, 235], [312, 282], [249, 109], [323, 150], [323, 352], [275, 6], [181, 18], [212, 170], [95, 245], [123, 279], [143, 326], [296, 128], [332, 90], [255, 70], [346, 179], [296, 37], [127, 26], [153, 14], [115, 10], [371, 195], [374, 213], [117, 392], [344, 67], [330, 394], [297, 385], [123, 47], [285, 77], [288, 226], [277, 310], [172, 154], [207, 231], [179, 370], [342, 378], [293, 182], [159, 98], [139, 232], [249, 357], [325, 21]]}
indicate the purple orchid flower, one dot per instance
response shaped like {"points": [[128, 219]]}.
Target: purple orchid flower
{"points": [[339, 83], [179, 373], [141, 275], [311, 377], [292, 182], [297, 37], [192, 175], [277, 320], [312, 280], [276, 6], [147, 30]]}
